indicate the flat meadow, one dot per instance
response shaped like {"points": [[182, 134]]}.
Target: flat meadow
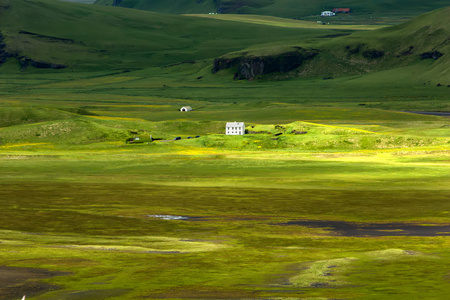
{"points": [[324, 198]]}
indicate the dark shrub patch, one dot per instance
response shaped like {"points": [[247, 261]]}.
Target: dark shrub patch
{"points": [[434, 55], [355, 50], [373, 53]]}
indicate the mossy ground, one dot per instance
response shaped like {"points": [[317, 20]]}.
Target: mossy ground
{"points": [[76, 198]]}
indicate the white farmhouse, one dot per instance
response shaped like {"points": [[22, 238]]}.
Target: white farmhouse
{"points": [[327, 13], [235, 128], [186, 108]]}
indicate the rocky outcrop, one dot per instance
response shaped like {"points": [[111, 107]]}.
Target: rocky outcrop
{"points": [[26, 62], [3, 54], [248, 67], [47, 37], [23, 60]]}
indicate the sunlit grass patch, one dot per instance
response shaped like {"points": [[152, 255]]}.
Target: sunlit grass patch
{"points": [[175, 246], [319, 273], [388, 254], [339, 127], [282, 22], [117, 118], [142, 244], [19, 145], [331, 272], [198, 151]]}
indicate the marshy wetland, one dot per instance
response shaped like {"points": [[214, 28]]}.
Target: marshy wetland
{"points": [[349, 209]]}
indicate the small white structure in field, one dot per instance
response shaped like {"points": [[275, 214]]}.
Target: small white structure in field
{"points": [[235, 128], [327, 13], [186, 108]]}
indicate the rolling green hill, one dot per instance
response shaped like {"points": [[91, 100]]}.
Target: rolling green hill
{"points": [[283, 8], [175, 6], [11, 116], [81, 1], [56, 34], [423, 40], [46, 34]]}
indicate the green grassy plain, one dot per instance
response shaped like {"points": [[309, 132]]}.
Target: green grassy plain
{"points": [[76, 198], [283, 22], [83, 208]]}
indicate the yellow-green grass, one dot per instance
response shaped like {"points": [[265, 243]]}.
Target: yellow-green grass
{"points": [[282, 22], [100, 232], [87, 207]]}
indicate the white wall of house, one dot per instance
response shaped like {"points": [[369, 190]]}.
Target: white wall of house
{"points": [[327, 14], [235, 128]]}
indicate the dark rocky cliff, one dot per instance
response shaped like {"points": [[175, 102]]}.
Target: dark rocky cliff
{"points": [[3, 54], [24, 61], [248, 67]]}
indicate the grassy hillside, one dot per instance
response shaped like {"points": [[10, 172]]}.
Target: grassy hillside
{"points": [[81, 1], [130, 39], [147, 59], [174, 7], [419, 42], [380, 9], [26, 115], [59, 34]]}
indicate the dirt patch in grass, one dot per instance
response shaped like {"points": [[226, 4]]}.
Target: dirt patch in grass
{"points": [[16, 282], [352, 229]]}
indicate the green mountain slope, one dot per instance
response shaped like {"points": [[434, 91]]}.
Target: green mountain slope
{"points": [[80, 1], [424, 39], [281, 8], [175, 6], [57, 34]]}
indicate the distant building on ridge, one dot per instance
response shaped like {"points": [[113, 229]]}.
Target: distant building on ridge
{"points": [[327, 13], [186, 108], [341, 10], [235, 128]]}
